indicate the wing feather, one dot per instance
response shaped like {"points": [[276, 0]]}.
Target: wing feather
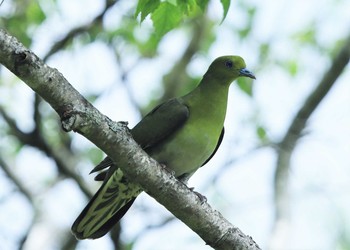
{"points": [[117, 194]]}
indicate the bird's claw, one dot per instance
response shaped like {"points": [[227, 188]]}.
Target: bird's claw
{"points": [[201, 197]]}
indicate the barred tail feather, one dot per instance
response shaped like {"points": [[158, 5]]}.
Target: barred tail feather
{"points": [[106, 208]]}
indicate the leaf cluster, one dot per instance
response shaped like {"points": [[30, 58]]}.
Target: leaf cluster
{"points": [[167, 15]]}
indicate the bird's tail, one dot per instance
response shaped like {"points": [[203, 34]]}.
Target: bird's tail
{"points": [[107, 207]]}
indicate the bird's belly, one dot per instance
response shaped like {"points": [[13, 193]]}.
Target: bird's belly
{"points": [[184, 154]]}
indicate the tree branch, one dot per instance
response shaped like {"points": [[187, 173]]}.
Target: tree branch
{"points": [[61, 157], [174, 80], [26, 193], [287, 145], [15, 180], [78, 30], [114, 139]]}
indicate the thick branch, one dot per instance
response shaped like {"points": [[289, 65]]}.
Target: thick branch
{"points": [[79, 115]]}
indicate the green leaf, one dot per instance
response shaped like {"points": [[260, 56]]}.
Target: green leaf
{"points": [[94, 154], [243, 33], [292, 66], [245, 85], [165, 18], [145, 7], [190, 8], [18, 27], [264, 50], [202, 4], [226, 6], [261, 132], [35, 14], [173, 2], [307, 36], [148, 49]]}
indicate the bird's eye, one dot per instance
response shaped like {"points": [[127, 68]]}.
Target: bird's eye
{"points": [[229, 64]]}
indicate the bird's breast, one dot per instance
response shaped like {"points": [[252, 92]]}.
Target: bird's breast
{"points": [[188, 148]]}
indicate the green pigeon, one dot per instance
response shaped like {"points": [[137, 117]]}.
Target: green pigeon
{"points": [[183, 134]]}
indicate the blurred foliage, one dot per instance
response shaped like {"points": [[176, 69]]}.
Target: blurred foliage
{"points": [[22, 19], [245, 85], [134, 39], [167, 15], [165, 18]]}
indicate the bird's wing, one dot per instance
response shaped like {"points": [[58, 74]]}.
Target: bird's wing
{"points": [[217, 146], [185, 177], [117, 194], [157, 125], [161, 122], [106, 207]]}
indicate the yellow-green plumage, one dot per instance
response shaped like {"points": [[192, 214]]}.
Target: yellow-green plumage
{"points": [[182, 133]]}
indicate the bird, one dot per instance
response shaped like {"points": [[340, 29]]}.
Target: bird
{"points": [[182, 134]]}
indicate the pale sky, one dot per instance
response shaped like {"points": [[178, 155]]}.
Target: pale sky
{"points": [[320, 174]]}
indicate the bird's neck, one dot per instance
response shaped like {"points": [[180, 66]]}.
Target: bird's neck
{"points": [[210, 99]]}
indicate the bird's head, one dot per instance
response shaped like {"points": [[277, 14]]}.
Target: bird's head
{"points": [[228, 69]]}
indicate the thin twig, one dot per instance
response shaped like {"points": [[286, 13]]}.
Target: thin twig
{"points": [[60, 44]]}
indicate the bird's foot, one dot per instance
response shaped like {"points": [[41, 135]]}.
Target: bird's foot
{"points": [[201, 197]]}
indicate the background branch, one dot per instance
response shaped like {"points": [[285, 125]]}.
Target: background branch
{"points": [[78, 30], [63, 158], [178, 77], [25, 192], [288, 144]]}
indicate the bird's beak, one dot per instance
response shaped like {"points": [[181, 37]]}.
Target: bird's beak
{"points": [[247, 73]]}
